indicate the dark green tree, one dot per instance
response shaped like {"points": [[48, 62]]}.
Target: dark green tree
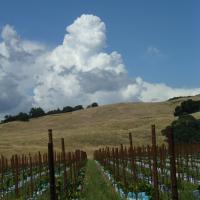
{"points": [[67, 109], [22, 116], [53, 112], [9, 118], [36, 112], [79, 107], [186, 130], [187, 107], [94, 104]]}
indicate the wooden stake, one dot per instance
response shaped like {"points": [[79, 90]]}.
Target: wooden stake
{"points": [[51, 167], [172, 165], [155, 172], [64, 163]]}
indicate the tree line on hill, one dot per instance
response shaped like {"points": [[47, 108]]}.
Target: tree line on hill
{"points": [[186, 128], [176, 98], [39, 112]]}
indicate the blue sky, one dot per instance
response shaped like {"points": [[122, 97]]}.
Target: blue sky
{"points": [[132, 27], [58, 53]]}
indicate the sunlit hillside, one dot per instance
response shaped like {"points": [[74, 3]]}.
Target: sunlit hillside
{"points": [[90, 128]]}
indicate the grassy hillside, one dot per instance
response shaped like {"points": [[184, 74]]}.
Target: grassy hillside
{"points": [[91, 128]]}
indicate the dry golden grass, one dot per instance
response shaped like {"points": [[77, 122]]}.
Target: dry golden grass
{"points": [[89, 129]]}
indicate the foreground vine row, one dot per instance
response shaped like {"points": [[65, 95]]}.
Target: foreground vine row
{"points": [[153, 172], [52, 175]]}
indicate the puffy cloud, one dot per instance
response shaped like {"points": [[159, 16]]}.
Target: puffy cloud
{"points": [[79, 68], [78, 71], [86, 33], [17, 71], [149, 92], [6, 98]]}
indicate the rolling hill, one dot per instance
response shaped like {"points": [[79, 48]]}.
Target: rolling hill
{"points": [[90, 128]]}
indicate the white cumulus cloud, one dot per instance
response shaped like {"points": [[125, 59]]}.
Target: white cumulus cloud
{"points": [[77, 71]]}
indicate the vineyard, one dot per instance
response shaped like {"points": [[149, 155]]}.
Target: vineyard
{"points": [[135, 173], [56, 175], [153, 172]]}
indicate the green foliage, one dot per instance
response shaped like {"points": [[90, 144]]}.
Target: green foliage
{"points": [[67, 109], [94, 104], [39, 112], [186, 130], [96, 186], [23, 116], [19, 117], [187, 107], [51, 112], [175, 98], [79, 107], [36, 112]]}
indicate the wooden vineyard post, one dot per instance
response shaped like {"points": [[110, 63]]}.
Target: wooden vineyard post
{"points": [[155, 172], [161, 164], [133, 165], [16, 176], [117, 163], [172, 165], [149, 149], [64, 163], [31, 173], [70, 166], [74, 169], [113, 164], [122, 154], [2, 170], [23, 170], [40, 164], [51, 167]]}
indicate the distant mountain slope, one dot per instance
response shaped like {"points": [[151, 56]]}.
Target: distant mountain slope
{"points": [[90, 128]]}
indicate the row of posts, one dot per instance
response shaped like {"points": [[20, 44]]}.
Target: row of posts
{"points": [[172, 158], [19, 165], [154, 153], [109, 158]]}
